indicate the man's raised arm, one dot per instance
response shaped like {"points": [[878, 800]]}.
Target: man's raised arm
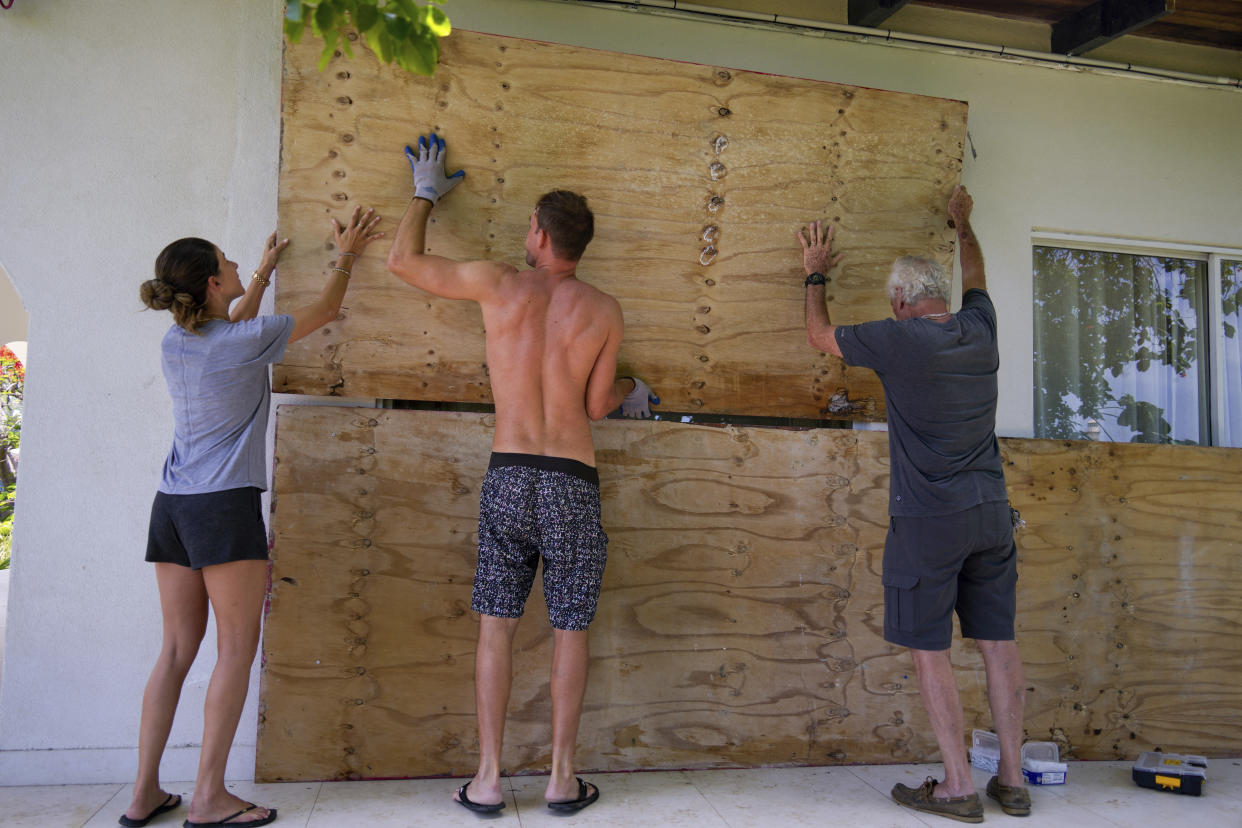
{"points": [[960, 207], [817, 261], [435, 274]]}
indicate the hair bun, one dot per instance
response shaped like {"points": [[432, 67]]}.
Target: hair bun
{"points": [[157, 294]]}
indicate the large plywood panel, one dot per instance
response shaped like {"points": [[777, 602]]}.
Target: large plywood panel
{"points": [[699, 177], [740, 622], [1130, 597]]}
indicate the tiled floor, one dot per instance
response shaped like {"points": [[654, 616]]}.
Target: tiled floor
{"points": [[1098, 794]]}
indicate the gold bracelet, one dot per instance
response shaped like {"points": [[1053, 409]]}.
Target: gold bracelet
{"points": [[255, 277], [342, 270]]}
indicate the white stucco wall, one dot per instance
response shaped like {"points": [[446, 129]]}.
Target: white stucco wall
{"points": [[125, 126], [128, 125]]}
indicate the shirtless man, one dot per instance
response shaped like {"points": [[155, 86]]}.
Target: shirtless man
{"points": [[552, 346]]}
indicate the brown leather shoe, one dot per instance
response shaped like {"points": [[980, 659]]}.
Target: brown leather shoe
{"points": [[962, 808], [1014, 800]]}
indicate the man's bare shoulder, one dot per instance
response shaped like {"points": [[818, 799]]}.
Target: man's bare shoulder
{"points": [[495, 278], [592, 296], [497, 269]]}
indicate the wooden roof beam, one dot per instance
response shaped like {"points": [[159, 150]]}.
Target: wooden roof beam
{"points": [[871, 13], [1101, 22]]}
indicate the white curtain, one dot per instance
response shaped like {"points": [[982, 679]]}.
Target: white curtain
{"points": [[1117, 344]]}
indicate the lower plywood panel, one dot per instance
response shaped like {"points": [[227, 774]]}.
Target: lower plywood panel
{"points": [[740, 622], [1130, 595]]}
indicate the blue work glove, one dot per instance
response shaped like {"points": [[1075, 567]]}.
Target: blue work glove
{"points": [[427, 164], [637, 404]]}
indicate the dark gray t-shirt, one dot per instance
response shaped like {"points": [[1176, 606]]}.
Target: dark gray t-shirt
{"points": [[220, 392], [940, 386]]}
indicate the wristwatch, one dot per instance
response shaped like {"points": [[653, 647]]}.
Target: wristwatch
{"points": [[816, 278]]}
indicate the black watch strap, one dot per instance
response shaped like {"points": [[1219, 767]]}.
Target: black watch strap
{"points": [[816, 278]]}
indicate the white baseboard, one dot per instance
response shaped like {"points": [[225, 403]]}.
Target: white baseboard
{"points": [[98, 766]]}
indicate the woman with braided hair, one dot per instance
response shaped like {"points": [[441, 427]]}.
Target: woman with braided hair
{"points": [[206, 536]]}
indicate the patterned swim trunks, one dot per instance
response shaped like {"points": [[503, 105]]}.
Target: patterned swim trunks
{"points": [[532, 506]]}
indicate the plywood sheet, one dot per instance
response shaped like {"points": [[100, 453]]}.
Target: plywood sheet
{"points": [[739, 621], [741, 617], [699, 176], [1130, 595]]}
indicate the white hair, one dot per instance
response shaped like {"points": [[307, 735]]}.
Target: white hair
{"points": [[918, 279]]}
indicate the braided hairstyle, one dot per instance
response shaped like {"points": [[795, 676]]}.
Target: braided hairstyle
{"points": [[180, 284]]}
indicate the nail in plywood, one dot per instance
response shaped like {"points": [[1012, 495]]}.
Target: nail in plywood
{"points": [[741, 617], [699, 177]]}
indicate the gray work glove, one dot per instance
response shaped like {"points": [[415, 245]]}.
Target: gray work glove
{"points": [[637, 404], [427, 164]]}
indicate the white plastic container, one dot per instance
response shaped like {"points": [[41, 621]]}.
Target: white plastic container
{"points": [[984, 750], [1041, 764]]}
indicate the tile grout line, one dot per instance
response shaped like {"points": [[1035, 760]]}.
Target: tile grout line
{"points": [[104, 804], [887, 798], [689, 776], [517, 808], [314, 805]]}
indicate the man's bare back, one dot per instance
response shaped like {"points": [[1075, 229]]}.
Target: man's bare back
{"points": [[552, 340], [551, 347]]}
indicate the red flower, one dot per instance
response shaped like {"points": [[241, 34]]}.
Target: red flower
{"points": [[7, 359]]}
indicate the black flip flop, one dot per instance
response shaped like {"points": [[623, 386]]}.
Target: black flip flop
{"points": [[224, 823], [584, 799], [477, 807], [173, 801]]}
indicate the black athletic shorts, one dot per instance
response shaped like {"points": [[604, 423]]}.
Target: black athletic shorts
{"points": [[965, 562], [533, 507], [198, 530]]}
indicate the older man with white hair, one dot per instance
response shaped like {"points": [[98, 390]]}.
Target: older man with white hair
{"points": [[950, 544]]}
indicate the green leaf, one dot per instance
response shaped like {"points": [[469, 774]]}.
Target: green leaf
{"points": [[294, 29], [325, 19], [329, 49], [404, 8], [381, 43], [436, 20], [400, 28], [374, 38], [366, 17], [398, 31], [414, 59]]}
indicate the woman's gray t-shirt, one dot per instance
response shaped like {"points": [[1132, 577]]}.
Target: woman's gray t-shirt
{"points": [[221, 396], [940, 388]]}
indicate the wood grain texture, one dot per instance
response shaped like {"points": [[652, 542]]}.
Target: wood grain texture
{"points": [[1130, 595], [678, 160], [741, 618], [739, 622]]}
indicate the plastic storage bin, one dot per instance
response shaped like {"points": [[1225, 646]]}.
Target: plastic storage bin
{"points": [[984, 750], [1183, 774], [1042, 765]]}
